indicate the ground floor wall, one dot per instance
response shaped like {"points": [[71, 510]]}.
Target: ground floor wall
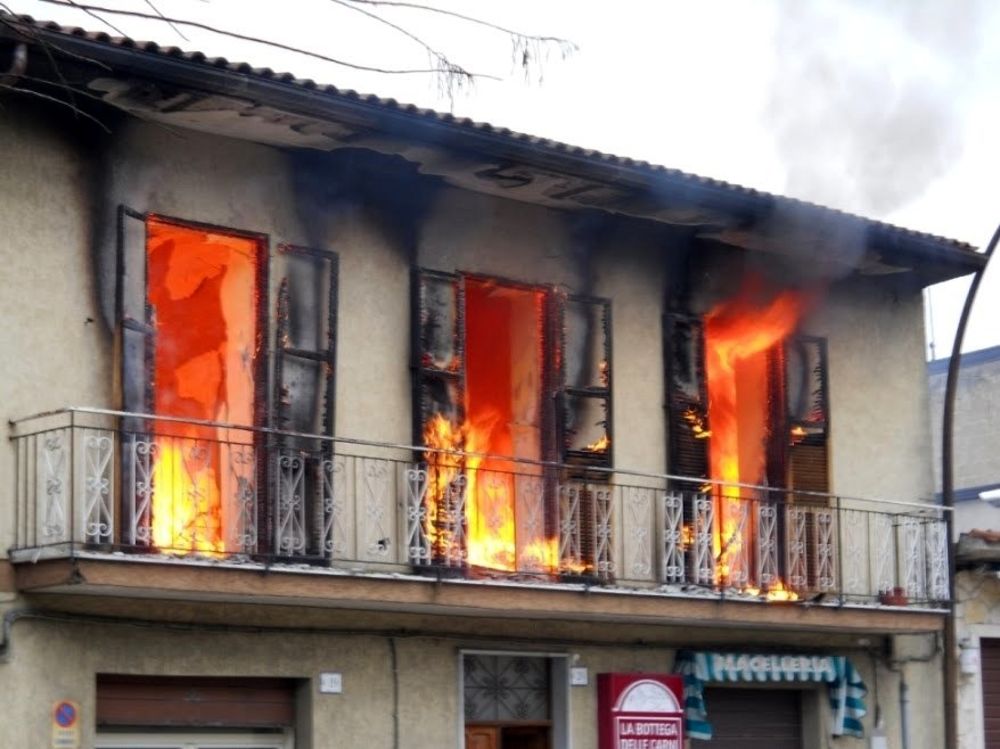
{"points": [[402, 691], [977, 613]]}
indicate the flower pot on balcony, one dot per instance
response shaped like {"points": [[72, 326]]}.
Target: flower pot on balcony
{"points": [[893, 597]]}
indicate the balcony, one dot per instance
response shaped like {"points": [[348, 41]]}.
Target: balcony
{"points": [[109, 488]]}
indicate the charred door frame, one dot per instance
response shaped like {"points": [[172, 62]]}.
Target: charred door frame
{"points": [[555, 456], [148, 329]]}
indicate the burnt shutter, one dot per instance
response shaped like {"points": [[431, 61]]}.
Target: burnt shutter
{"points": [[304, 399], [136, 330], [305, 350], [686, 396], [582, 370], [807, 409], [438, 357], [134, 314]]}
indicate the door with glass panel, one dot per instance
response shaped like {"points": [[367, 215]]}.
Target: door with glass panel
{"points": [[507, 702]]}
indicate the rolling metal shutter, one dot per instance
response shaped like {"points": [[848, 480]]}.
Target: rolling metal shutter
{"points": [[990, 671], [755, 718], [194, 702]]}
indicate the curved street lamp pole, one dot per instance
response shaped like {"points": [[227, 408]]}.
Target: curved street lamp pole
{"points": [[948, 500]]}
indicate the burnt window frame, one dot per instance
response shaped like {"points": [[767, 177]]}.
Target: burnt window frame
{"points": [[603, 392], [821, 427], [779, 447], [269, 355], [554, 390], [423, 375], [141, 424], [314, 452]]}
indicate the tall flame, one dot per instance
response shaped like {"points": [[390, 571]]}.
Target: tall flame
{"points": [[738, 335], [202, 289], [497, 493]]}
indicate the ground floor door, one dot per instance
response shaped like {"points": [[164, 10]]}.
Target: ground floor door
{"points": [[990, 673], [218, 740], [507, 737], [755, 718]]}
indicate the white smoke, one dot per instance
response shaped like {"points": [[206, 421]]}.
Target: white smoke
{"points": [[869, 97]]}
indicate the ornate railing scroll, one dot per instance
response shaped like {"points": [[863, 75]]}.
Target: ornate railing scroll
{"points": [[96, 481]]}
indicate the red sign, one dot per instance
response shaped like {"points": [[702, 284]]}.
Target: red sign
{"points": [[640, 711]]}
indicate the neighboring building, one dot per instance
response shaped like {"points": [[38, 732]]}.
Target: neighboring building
{"points": [[977, 520], [259, 338], [976, 435]]}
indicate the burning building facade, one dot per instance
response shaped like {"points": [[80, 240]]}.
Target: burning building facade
{"points": [[400, 430]]}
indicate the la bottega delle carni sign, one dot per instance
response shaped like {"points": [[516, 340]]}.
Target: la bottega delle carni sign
{"points": [[640, 711]]}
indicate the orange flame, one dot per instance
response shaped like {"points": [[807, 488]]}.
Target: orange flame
{"points": [[600, 445], [186, 506], [202, 288], [738, 335], [490, 528]]}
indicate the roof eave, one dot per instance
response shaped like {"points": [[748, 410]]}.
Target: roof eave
{"points": [[945, 257]]}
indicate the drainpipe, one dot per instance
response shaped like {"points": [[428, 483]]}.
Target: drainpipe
{"points": [[905, 719], [18, 64], [948, 501]]}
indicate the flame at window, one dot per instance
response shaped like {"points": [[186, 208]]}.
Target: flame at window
{"points": [[739, 334], [202, 291]]}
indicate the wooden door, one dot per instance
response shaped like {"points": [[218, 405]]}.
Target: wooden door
{"points": [[525, 737], [482, 737], [990, 673]]}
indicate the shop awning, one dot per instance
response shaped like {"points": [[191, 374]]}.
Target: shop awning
{"points": [[846, 689]]}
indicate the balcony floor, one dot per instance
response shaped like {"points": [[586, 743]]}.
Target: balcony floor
{"points": [[160, 578]]}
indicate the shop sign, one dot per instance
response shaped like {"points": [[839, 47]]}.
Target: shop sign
{"points": [[640, 711]]}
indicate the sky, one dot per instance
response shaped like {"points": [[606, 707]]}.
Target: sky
{"points": [[886, 108]]}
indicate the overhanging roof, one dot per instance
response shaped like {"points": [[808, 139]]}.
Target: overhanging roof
{"points": [[213, 94]]}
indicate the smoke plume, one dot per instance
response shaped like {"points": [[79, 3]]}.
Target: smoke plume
{"points": [[868, 102]]}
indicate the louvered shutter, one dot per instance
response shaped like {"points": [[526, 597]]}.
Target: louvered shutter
{"points": [[686, 397], [807, 414]]}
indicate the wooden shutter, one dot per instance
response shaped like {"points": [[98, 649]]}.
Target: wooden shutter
{"points": [[166, 701], [805, 381], [438, 356], [990, 673], [305, 361], [686, 396]]}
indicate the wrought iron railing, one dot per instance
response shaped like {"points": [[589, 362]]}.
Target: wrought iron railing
{"points": [[90, 481]]}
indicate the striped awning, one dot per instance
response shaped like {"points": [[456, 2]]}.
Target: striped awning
{"points": [[846, 689]]}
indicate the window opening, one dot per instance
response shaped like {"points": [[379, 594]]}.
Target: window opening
{"points": [[747, 405], [202, 296], [519, 374]]}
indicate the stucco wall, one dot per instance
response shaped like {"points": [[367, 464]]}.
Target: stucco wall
{"points": [[56, 351], [879, 438], [53, 661]]}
